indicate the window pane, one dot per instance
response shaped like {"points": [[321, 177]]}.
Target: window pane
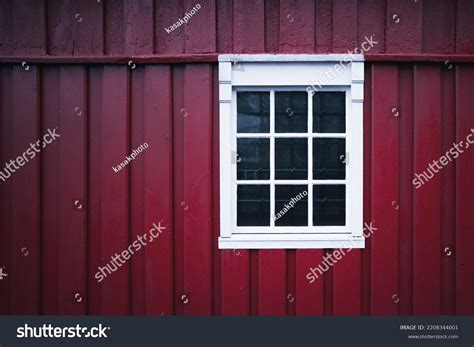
{"points": [[329, 205], [291, 112], [253, 112], [291, 159], [253, 205], [329, 112], [329, 158], [253, 159], [291, 205]]}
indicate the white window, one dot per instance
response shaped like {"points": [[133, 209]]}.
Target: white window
{"points": [[291, 137]]}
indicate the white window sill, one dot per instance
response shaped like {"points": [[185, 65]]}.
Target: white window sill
{"points": [[290, 241]]}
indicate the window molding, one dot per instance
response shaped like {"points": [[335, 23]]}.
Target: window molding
{"points": [[289, 72]]}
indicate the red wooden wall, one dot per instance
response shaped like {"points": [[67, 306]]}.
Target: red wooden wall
{"points": [[51, 250]]}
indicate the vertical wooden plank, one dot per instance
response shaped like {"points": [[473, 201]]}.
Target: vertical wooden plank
{"points": [[404, 26], [200, 31], [371, 21], [197, 189], [427, 198], [309, 294], [94, 194], [25, 192], [272, 282], [347, 283], [75, 27], [138, 27], [464, 191], [178, 185], [366, 253], [324, 26], [464, 27], [137, 191], [344, 25], [296, 26], [290, 282], [6, 231], [249, 38], [448, 179], [406, 189], [109, 197], [166, 14], [114, 27], [72, 204], [385, 191], [235, 282], [158, 190], [272, 26], [29, 34], [224, 20], [439, 26], [6, 35]]}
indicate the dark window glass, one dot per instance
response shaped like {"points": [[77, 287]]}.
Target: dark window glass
{"points": [[291, 112], [253, 112], [329, 112], [253, 161], [253, 205], [291, 159], [329, 158], [329, 205], [291, 205]]}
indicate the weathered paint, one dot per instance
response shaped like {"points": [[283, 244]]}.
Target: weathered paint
{"points": [[105, 111]]}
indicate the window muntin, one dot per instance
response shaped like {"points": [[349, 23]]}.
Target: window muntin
{"points": [[292, 160]]}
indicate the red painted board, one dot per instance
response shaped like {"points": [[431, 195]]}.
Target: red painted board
{"points": [[224, 32], [235, 282], [6, 234], [347, 282], [200, 37], [296, 26], [309, 291], [439, 26], [464, 190], [448, 202], [25, 192], [403, 22], [344, 25], [323, 26], [406, 190], [158, 182], [272, 282], [28, 27], [427, 198], [385, 190], [167, 13], [137, 191], [370, 22], [138, 26], [464, 27], [72, 198], [272, 25], [196, 202], [249, 26]]}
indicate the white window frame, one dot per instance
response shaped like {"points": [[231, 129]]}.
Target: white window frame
{"points": [[286, 72]]}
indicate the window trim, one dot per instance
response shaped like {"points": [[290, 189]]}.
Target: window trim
{"points": [[232, 78]]}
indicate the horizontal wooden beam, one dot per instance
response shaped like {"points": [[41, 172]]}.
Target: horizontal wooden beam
{"points": [[212, 58]]}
